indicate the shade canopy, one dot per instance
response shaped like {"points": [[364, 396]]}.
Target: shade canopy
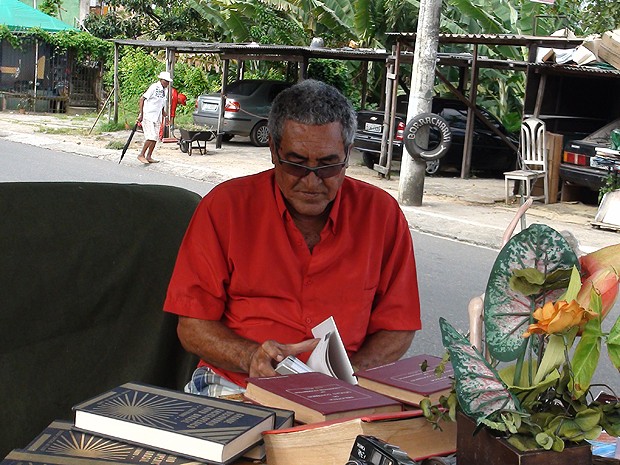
{"points": [[18, 16]]}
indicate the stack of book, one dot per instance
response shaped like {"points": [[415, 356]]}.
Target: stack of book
{"points": [[136, 423]]}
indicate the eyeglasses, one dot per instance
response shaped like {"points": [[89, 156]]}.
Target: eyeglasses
{"points": [[322, 172]]}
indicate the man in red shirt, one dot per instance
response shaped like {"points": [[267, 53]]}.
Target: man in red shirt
{"points": [[269, 256]]}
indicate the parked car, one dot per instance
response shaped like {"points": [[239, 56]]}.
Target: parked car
{"points": [[582, 166], [248, 103], [489, 152]]}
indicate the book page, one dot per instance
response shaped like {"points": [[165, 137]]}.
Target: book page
{"points": [[330, 356]]}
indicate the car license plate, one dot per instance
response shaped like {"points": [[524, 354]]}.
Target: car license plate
{"points": [[373, 127], [209, 106], [594, 163]]}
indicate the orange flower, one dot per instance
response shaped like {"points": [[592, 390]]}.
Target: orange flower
{"points": [[557, 317]]}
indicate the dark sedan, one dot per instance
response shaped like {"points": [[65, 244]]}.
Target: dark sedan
{"points": [[489, 152]]}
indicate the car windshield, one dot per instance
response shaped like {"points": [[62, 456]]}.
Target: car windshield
{"points": [[243, 87]]}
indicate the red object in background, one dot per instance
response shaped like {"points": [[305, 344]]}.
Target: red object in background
{"points": [[176, 98]]}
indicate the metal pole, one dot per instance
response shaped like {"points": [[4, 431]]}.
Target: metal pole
{"points": [[116, 85]]}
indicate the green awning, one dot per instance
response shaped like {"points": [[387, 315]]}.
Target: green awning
{"points": [[18, 16]]}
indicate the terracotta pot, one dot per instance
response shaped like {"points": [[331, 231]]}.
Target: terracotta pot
{"points": [[486, 449]]}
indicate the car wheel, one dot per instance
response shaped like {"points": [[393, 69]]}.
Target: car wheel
{"points": [[260, 134], [183, 145], [227, 137], [432, 167], [368, 159]]}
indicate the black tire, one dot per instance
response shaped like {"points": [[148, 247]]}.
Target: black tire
{"points": [[184, 146], [369, 159], [260, 134], [432, 167], [227, 137], [432, 121]]}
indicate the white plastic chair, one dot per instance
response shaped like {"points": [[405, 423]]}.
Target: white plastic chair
{"points": [[533, 155]]}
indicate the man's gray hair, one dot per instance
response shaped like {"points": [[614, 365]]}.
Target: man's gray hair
{"points": [[312, 102]]}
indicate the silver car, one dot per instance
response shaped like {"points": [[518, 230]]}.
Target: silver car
{"points": [[247, 108]]}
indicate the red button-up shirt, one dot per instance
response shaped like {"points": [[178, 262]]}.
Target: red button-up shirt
{"points": [[244, 262]]}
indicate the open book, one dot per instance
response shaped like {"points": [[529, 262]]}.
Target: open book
{"points": [[328, 357]]}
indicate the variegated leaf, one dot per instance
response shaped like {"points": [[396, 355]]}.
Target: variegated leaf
{"points": [[507, 312], [479, 389]]}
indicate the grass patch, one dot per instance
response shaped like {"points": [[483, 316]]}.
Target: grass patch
{"points": [[111, 126], [72, 131], [115, 145]]}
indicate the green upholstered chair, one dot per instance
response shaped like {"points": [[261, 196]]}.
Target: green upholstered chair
{"points": [[84, 269]]}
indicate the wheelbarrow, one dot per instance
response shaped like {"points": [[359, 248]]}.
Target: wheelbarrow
{"points": [[190, 140]]}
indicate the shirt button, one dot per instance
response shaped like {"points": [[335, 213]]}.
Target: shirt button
{"points": [[308, 282], [308, 320]]}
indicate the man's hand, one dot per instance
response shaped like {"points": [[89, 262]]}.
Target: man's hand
{"points": [[216, 344], [382, 347], [271, 352]]}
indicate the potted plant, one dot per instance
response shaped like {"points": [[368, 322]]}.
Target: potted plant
{"points": [[25, 104], [543, 309]]}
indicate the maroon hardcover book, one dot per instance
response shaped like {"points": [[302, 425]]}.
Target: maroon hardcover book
{"points": [[409, 380], [318, 397]]}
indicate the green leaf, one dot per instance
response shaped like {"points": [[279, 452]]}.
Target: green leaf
{"points": [[574, 285], [528, 395], [555, 353], [588, 419], [613, 344], [479, 389], [544, 440], [530, 281], [585, 360], [507, 312]]}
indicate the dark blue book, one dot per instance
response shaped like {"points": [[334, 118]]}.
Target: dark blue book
{"points": [[60, 439], [202, 428], [27, 457]]}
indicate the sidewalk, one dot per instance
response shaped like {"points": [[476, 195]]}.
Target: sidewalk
{"points": [[468, 210]]}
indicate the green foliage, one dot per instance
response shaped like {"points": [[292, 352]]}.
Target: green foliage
{"points": [[612, 183], [591, 17], [86, 46], [337, 74], [113, 25], [50, 7]]}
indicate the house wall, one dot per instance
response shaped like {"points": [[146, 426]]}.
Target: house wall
{"points": [[72, 12]]}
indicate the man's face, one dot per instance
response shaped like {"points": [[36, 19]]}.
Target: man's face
{"points": [[164, 83], [311, 146]]}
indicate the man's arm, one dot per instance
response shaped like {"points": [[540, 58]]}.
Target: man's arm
{"points": [[219, 346], [141, 108], [382, 347]]}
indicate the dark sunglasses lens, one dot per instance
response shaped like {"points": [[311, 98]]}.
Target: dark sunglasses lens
{"points": [[329, 171], [294, 170]]}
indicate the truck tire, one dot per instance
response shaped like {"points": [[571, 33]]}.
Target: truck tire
{"points": [[368, 159], [432, 121]]}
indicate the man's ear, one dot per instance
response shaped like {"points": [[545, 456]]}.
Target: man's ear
{"points": [[273, 151]]}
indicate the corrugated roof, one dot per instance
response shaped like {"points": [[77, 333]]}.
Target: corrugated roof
{"points": [[265, 51], [496, 39], [574, 69]]}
